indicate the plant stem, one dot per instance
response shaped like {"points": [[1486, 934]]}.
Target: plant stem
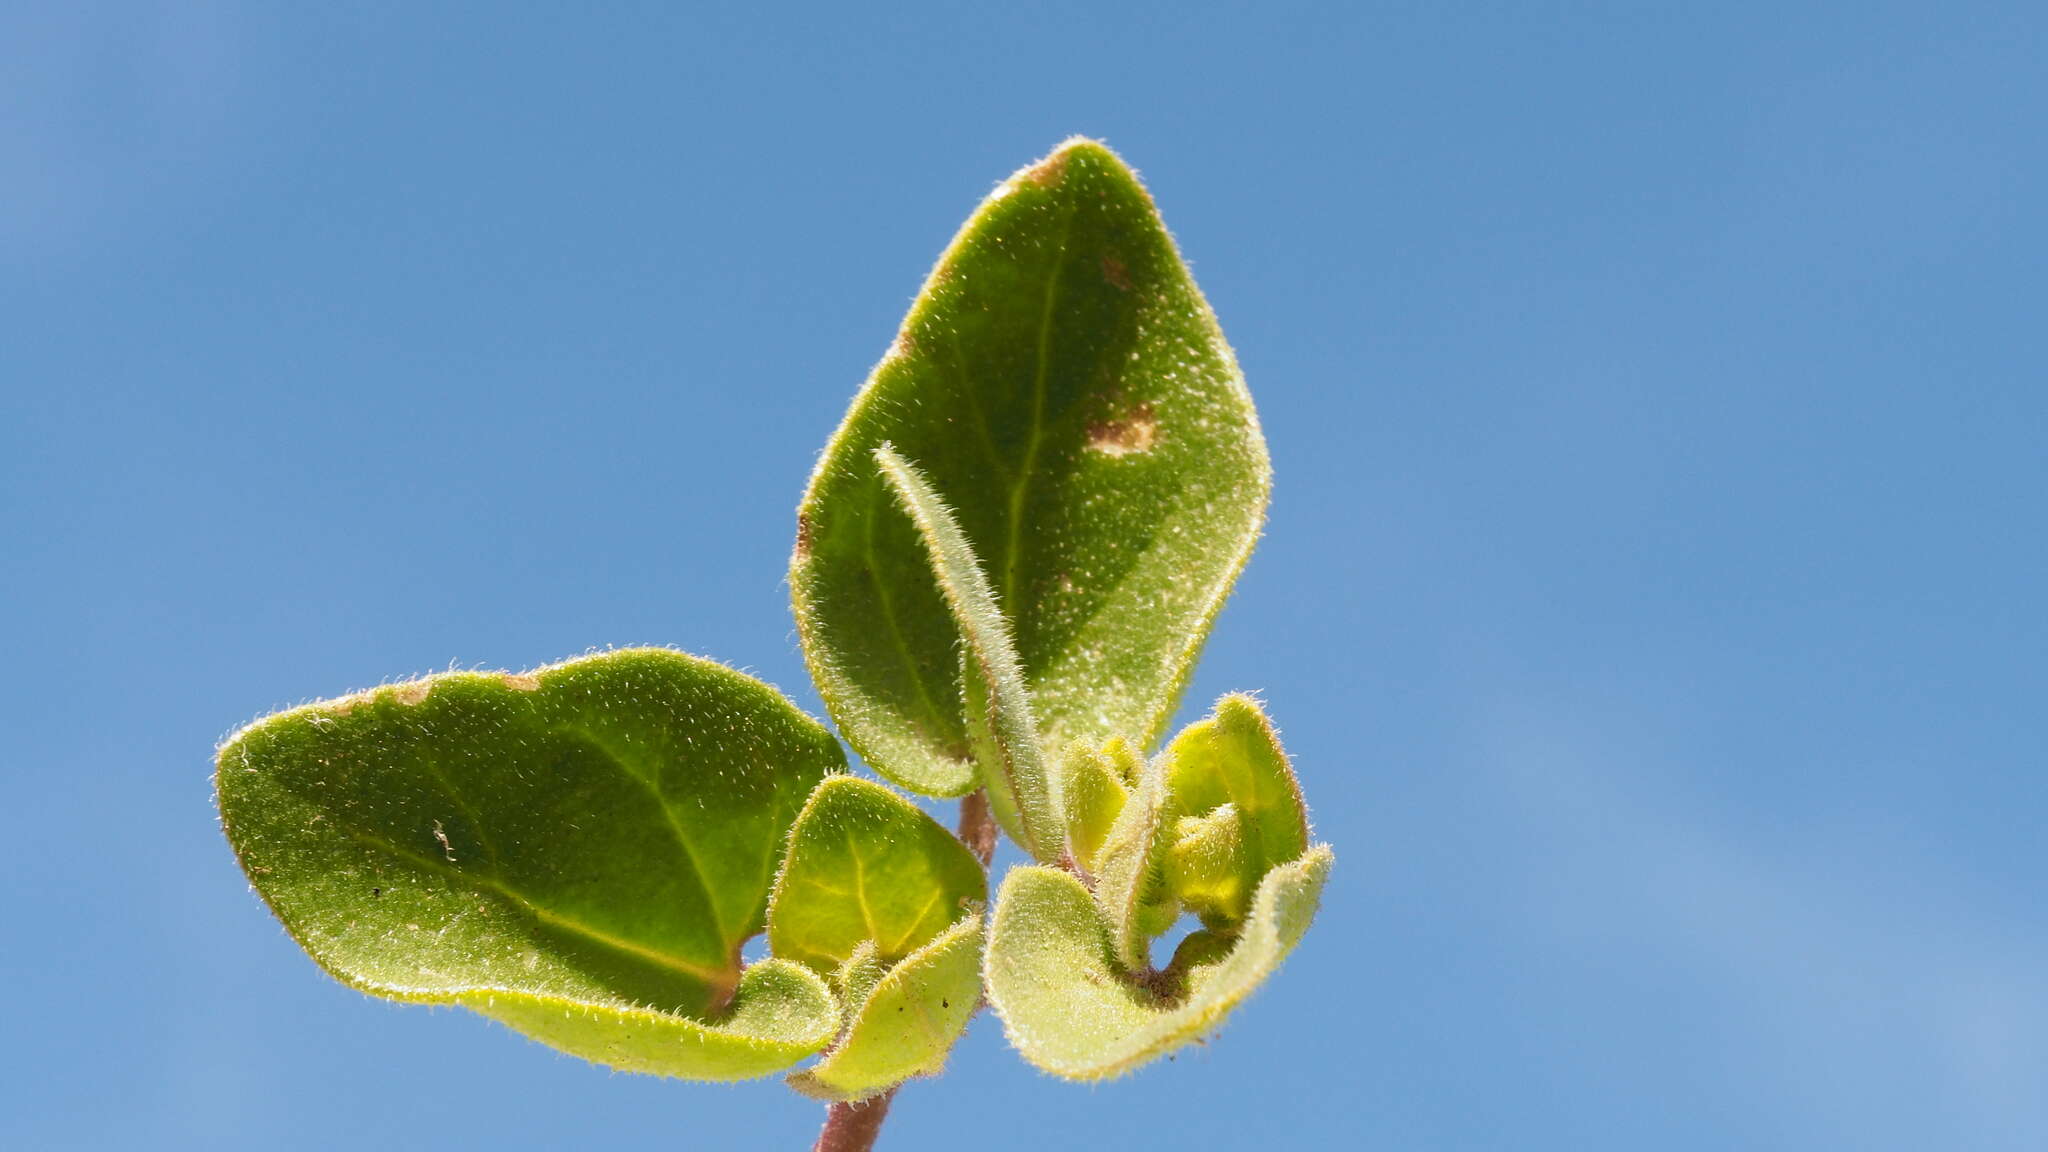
{"points": [[853, 1127], [977, 827]]}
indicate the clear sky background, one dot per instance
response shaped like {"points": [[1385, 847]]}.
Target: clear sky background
{"points": [[1652, 598]]}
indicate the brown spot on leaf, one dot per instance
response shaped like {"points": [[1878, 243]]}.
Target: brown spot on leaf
{"points": [[1136, 432], [803, 537], [520, 682], [414, 692], [1113, 270]]}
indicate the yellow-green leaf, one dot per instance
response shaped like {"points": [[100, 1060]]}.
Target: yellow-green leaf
{"points": [[905, 1022], [1232, 759], [1130, 873], [1092, 794], [865, 866], [1071, 1009]]}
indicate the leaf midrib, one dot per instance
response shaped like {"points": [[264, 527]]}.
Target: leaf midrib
{"points": [[1021, 486], [718, 978], [668, 815]]}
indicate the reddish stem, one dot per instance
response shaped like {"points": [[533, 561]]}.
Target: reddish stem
{"points": [[977, 827], [853, 1127]]}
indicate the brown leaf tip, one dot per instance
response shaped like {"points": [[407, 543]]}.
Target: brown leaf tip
{"points": [[803, 537], [1047, 172]]}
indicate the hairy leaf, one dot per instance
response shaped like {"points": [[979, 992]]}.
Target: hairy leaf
{"points": [[1205, 866], [1233, 758], [578, 852], [1072, 1010], [867, 867], [997, 710], [1092, 794], [905, 1022], [1063, 383], [1130, 874]]}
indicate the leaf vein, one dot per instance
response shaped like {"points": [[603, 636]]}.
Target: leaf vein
{"points": [[543, 914], [1020, 488]]}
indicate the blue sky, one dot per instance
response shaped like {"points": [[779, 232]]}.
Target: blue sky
{"points": [[1652, 598]]}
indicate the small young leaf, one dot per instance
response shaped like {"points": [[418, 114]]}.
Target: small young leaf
{"points": [[997, 708], [904, 1024], [578, 851], [859, 974], [1091, 794], [1233, 759], [1130, 873], [1205, 866], [866, 867], [1063, 382], [1070, 1009]]}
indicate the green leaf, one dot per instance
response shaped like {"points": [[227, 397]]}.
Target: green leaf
{"points": [[1072, 1010], [859, 974], [1205, 867], [578, 852], [995, 705], [1063, 383], [1233, 759], [1092, 794], [887, 900], [780, 1014], [904, 1024], [1130, 874], [866, 866]]}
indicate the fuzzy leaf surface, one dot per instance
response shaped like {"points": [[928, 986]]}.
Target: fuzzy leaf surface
{"points": [[1091, 795], [1130, 868], [905, 1023], [1062, 382], [1232, 758], [997, 710], [1068, 1006], [578, 852], [866, 866]]}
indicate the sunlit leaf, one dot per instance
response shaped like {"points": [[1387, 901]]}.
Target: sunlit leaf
{"points": [[1001, 735], [867, 867], [1205, 865], [1062, 383], [1071, 1009], [888, 902], [904, 1022], [1130, 872], [577, 851], [1091, 795], [1233, 759]]}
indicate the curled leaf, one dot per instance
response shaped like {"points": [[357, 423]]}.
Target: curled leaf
{"points": [[905, 1022], [1205, 866], [1071, 1009], [1130, 871], [1232, 760], [889, 902], [1091, 795]]}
